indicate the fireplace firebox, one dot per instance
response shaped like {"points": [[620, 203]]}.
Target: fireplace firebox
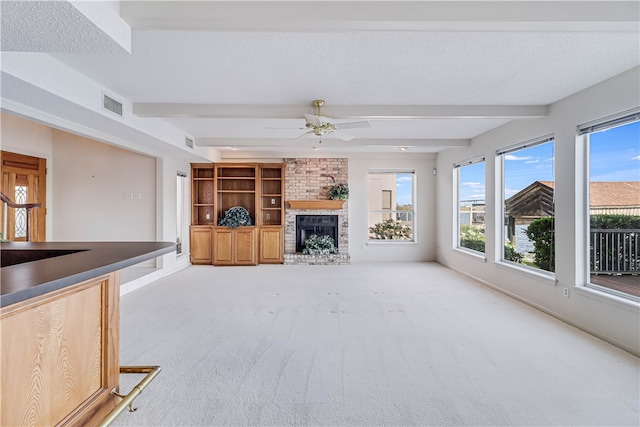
{"points": [[320, 225]]}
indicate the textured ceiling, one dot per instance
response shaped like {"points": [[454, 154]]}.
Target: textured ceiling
{"points": [[192, 60], [51, 26]]}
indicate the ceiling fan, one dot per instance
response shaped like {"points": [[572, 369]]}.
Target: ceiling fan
{"points": [[320, 125]]}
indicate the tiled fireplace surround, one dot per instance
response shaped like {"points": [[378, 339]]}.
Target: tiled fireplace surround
{"points": [[310, 179]]}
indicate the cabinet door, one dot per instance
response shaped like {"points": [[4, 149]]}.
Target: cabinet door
{"points": [[223, 246], [271, 245], [200, 245], [245, 246]]}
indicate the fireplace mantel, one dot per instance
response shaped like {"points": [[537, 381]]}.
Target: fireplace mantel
{"points": [[315, 204]]}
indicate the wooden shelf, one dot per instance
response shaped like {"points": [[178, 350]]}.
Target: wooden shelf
{"points": [[257, 187], [316, 204]]}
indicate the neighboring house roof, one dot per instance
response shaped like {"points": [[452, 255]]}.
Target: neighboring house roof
{"points": [[618, 194], [536, 200]]}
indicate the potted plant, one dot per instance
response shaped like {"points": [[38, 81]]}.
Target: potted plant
{"points": [[319, 245], [339, 191]]}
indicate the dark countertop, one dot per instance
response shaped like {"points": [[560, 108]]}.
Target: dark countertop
{"points": [[20, 282]]}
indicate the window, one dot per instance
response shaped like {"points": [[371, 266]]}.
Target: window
{"points": [[391, 206], [614, 204], [528, 203], [470, 204], [180, 205]]}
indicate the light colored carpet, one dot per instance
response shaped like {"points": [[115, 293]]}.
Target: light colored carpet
{"points": [[365, 344]]}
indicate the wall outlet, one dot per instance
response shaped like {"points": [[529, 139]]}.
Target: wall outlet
{"points": [[273, 201], [565, 292]]}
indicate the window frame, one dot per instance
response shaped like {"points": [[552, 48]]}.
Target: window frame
{"points": [[181, 214], [413, 211], [456, 199], [584, 131], [501, 204]]}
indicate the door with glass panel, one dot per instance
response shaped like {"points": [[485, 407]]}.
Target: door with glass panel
{"points": [[23, 181]]}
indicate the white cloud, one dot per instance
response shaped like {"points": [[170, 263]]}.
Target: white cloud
{"points": [[403, 178], [512, 157], [531, 161], [474, 185], [636, 158]]}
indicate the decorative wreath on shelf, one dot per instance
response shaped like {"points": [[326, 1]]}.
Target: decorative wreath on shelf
{"points": [[235, 217], [339, 192]]}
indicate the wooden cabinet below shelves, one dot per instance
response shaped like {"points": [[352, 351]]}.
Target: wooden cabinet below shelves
{"points": [[271, 245], [201, 245], [236, 246]]}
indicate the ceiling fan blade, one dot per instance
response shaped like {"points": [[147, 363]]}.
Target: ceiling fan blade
{"points": [[353, 125], [314, 120], [270, 127], [303, 135], [341, 135]]}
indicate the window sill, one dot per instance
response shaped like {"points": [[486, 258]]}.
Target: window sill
{"points": [[389, 242], [545, 277], [479, 256], [603, 296]]}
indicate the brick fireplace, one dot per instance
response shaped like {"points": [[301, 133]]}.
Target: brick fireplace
{"points": [[310, 179]]}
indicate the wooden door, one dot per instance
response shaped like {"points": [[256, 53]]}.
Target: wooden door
{"points": [[23, 181], [271, 245], [222, 246], [245, 245]]}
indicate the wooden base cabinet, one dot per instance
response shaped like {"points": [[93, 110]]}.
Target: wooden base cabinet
{"points": [[201, 244], [236, 246], [271, 246], [60, 356]]}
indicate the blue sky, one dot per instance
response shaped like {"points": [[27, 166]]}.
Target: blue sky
{"points": [[614, 156], [403, 188]]}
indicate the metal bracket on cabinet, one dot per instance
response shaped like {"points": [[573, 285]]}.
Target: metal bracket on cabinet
{"points": [[127, 400]]}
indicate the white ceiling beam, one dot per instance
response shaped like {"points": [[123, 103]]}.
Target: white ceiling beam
{"points": [[106, 16], [384, 15], [379, 112], [327, 141]]}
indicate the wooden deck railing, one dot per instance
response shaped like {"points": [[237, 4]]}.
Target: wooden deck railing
{"points": [[615, 252]]}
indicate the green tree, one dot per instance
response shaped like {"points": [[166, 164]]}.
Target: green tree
{"points": [[541, 231]]}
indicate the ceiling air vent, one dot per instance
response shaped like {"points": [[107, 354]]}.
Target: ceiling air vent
{"points": [[188, 142], [111, 104]]}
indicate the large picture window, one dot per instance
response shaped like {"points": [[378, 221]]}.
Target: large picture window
{"points": [[391, 205], [471, 204], [528, 204], [614, 204]]}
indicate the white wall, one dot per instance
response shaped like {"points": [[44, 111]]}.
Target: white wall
{"points": [[168, 169], [101, 192], [615, 320], [424, 248]]}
